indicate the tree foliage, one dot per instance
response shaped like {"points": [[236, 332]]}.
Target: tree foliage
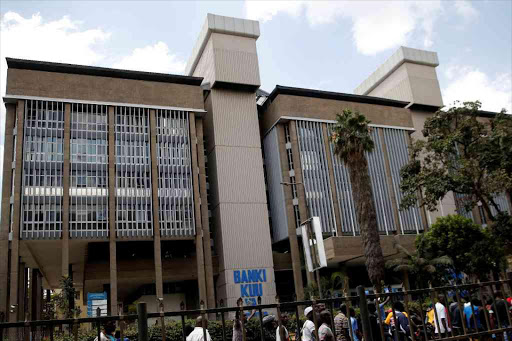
{"points": [[461, 153], [63, 298], [351, 138], [423, 270], [473, 250]]}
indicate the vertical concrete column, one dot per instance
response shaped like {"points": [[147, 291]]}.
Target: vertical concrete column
{"points": [[156, 221], [292, 229], [301, 190], [210, 288], [22, 291], [225, 56], [332, 182], [197, 210], [389, 181], [65, 191], [10, 118], [15, 244], [112, 208], [35, 295]]}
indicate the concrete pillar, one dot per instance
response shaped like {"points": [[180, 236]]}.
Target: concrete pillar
{"points": [[292, 228], [332, 182], [112, 209], [301, 190], [10, 118], [65, 190], [36, 291], [225, 55], [22, 290], [210, 287], [156, 221], [201, 276], [15, 244], [389, 181]]}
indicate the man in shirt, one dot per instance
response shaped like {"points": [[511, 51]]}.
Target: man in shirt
{"points": [[341, 325], [198, 332], [441, 320], [284, 322], [308, 329]]}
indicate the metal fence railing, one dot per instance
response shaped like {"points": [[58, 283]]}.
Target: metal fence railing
{"points": [[477, 311]]}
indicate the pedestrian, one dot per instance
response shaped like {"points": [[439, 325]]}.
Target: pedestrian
{"points": [[402, 322], [341, 325], [308, 329], [441, 320], [107, 333], [284, 323], [198, 332], [374, 322], [500, 312], [269, 327], [237, 325], [118, 337], [472, 315], [456, 317], [356, 333], [325, 331]]}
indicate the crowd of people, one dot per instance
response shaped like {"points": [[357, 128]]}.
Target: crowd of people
{"points": [[442, 319]]}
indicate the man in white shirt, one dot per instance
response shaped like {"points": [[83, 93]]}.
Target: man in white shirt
{"points": [[308, 329], [284, 322], [441, 320], [198, 333]]}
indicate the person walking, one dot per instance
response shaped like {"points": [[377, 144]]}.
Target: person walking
{"points": [[374, 322], [237, 325], [198, 332], [341, 325], [441, 320], [284, 323], [325, 331], [308, 329], [500, 308]]}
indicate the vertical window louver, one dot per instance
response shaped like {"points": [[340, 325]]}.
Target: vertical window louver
{"points": [[133, 173], [43, 160], [315, 173], [89, 171], [175, 191]]}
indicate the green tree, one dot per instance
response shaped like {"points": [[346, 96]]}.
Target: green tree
{"points": [[351, 138], [423, 270], [473, 249], [63, 299], [461, 153], [329, 286]]}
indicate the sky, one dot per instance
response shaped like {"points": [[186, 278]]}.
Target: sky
{"points": [[311, 44]]}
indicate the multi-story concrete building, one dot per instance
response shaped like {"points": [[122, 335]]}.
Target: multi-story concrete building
{"points": [[147, 186]]}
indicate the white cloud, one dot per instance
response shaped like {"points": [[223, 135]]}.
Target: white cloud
{"points": [[468, 83], [465, 9], [376, 25], [152, 58]]}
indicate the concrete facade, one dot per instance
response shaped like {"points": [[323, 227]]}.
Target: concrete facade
{"points": [[192, 188], [227, 59]]}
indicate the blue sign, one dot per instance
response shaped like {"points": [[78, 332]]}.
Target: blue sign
{"points": [[94, 301], [250, 281]]}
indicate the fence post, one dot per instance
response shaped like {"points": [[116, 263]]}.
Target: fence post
{"points": [[162, 318], [365, 316], [98, 314], [142, 321]]}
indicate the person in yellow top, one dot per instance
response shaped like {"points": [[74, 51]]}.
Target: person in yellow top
{"points": [[430, 316], [390, 317]]}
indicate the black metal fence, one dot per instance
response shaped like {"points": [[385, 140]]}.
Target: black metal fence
{"points": [[476, 312]]}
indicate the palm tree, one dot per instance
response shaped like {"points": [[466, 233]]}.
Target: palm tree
{"points": [[409, 263], [351, 138]]}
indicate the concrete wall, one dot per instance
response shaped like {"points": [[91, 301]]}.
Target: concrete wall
{"points": [[326, 109], [102, 89], [227, 58]]}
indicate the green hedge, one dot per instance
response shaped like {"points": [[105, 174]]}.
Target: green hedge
{"points": [[173, 331]]}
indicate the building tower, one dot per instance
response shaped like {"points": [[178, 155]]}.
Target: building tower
{"points": [[225, 55]]}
